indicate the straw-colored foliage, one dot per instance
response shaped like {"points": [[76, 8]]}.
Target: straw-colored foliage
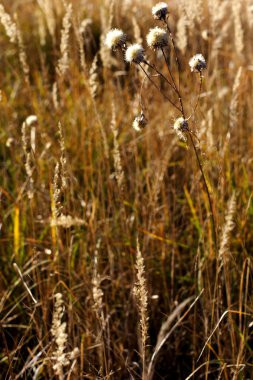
{"points": [[111, 140]]}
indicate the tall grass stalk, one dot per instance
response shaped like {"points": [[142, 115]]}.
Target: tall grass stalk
{"points": [[141, 294]]}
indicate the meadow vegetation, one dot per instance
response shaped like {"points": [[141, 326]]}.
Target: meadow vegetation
{"points": [[126, 245]]}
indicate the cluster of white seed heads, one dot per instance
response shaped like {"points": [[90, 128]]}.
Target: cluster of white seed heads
{"points": [[157, 38]]}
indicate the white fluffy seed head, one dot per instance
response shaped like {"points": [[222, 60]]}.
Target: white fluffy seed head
{"points": [[159, 11], [134, 53], [180, 126], [157, 38], [115, 39], [197, 63], [139, 122]]}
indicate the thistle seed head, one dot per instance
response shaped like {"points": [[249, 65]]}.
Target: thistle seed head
{"points": [[197, 63], [180, 126], [160, 11], [140, 122], [115, 39], [157, 38], [134, 53]]}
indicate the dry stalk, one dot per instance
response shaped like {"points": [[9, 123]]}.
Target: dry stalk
{"points": [[28, 141], [63, 160], [239, 34], [119, 173], [22, 55], [47, 7], [137, 31], [227, 228], [98, 305], [56, 204], [93, 78], [60, 357], [141, 294], [81, 38], [9, 25], [24, 283], [67, 221], [234, 105], [217, 326], [63, 63], [94, 87], [55, 96], [166, 331], [224, 260], [181, 36], [15, 36]]}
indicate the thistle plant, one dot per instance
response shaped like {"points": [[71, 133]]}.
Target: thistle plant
{"points": [[160, 38]]}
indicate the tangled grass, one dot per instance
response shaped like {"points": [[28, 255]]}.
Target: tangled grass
{"points": [[110, 268]]}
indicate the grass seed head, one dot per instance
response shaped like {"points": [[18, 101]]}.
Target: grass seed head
{"points": [[157, 38], [31, 120]]}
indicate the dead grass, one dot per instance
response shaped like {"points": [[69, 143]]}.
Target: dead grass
{"points": [[120, 184]]}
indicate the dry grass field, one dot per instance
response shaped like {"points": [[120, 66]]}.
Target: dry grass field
{"points": [[126, 253]]}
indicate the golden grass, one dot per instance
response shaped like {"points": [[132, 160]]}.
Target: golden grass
{"points": [[81, 185]]}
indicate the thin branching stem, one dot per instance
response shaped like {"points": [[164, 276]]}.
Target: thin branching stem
{"points": [[195, 150], [140, 96], [168, 66], [175, 50], [174, 83], [193, 144], [161, 74], [155, 85], [177, 90], [199, 93]]}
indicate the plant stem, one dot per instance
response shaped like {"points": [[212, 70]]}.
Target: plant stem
{"points": [[200, 88], [161, 74], [177, 90], [175, 51], [174, 83], [168, 66], [155, 85]]}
